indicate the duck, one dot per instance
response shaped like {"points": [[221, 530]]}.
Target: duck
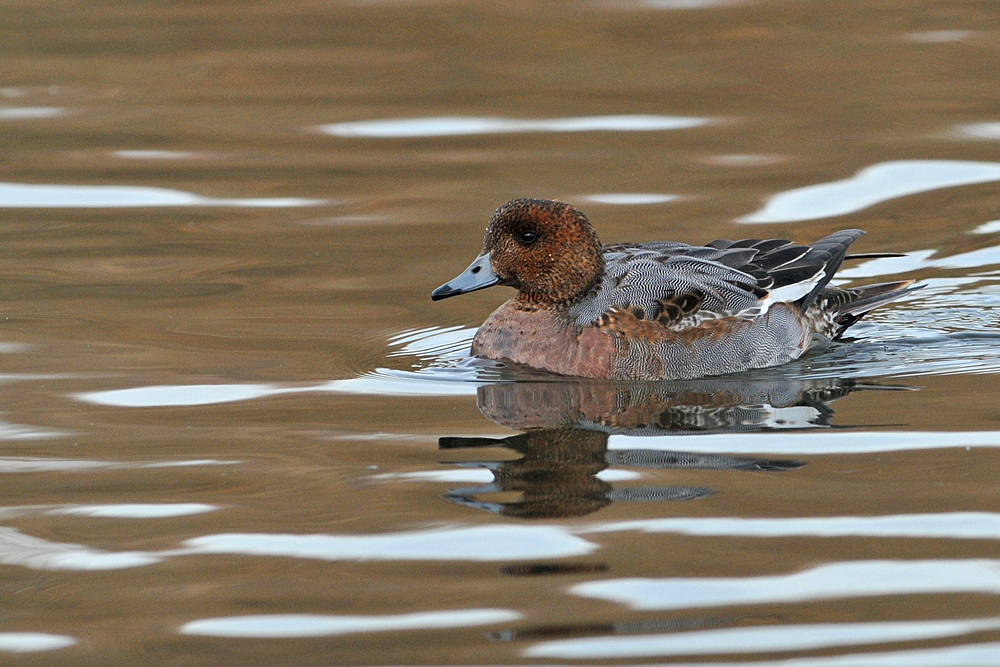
{"points": [[662, 310]]}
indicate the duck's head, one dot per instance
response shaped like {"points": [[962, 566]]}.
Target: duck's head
{"points": [[547, 250]]}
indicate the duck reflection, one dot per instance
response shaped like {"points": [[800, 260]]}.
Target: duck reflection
{"points": [[564, 458], [557, 475]]}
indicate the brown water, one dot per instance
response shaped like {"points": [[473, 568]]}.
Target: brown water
{"points": [[237, 432]]}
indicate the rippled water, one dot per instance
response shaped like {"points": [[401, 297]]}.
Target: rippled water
{"points": [[236, 431]]}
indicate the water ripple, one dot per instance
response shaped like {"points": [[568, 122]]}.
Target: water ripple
{"points": [[966, 655], [834, 580], [30, 195], [761, 639], [446, 126], [29, 113], [316, 625], [870, 186], [481, 543], [949, 525], [33, 642]]}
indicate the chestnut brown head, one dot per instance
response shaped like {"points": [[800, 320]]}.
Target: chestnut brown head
{"points": [[547, 250]]}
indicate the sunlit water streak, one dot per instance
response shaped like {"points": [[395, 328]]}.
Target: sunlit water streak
{"points": [[26, 464], [979, 130], [817, 442], [829, 581], [919, 260], [490, 543], [483, 476], [316, 625], [34, 553], [153, 154], [33, 642], [30, 195], [762, 639], [30, 113], [966, 655], [445, 126], [870, 186], [470, 544], [482, 543], [21, 432], [938, 36], [116, 511], [689, 4], [949, 525], [630, 199], [991, 227]]}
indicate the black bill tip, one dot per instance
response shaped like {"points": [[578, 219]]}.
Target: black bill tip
{"points": [[444, 292]]}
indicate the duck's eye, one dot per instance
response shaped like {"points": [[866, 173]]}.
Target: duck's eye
{"points": [[527, 238]]}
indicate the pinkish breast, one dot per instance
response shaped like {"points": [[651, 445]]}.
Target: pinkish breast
{"points": [[545, 339]]}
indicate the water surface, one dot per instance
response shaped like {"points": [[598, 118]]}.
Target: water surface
{"points": [[236, 431]]}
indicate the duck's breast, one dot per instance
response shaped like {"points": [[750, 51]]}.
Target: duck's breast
{"points": [[546, 339]]}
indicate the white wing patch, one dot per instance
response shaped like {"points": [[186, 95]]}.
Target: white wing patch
{"points": [[789, 293]]}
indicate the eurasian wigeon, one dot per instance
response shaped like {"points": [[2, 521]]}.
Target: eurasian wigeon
{"points": [[655, 311]]}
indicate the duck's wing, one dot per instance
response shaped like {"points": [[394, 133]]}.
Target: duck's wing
{"points": [[678, 285]]}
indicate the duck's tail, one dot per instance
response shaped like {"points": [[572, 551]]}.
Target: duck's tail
{"points": [[847, 306]]}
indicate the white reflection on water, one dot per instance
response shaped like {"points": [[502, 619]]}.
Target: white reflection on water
{"points": [[484, 476], [136, 510], [153, 154], [835, 580], [744, 160], [26, 464], [463, 475], [433, 342], [444, 126], [119, 511], [938, 36], [496, 542], [481, 543], [316, 625], [922, 259], [979, 130], [10, 431], [949, 525], [817, 442], [991, 227], [689, 4], [870, 186], [630, 199], [31, 642], [30, 195], [615, 475], [29, 113], [762, 639], [189, 395], [383, 382], [16, 548], [966, 655]]}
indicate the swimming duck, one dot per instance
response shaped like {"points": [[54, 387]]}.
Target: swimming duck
{"points": [[656, 311]]}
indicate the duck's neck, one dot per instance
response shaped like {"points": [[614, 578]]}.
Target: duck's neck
{"points": [[529, 301]]}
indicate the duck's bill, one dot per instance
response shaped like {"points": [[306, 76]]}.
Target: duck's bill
{"points": [[479, 275]]}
